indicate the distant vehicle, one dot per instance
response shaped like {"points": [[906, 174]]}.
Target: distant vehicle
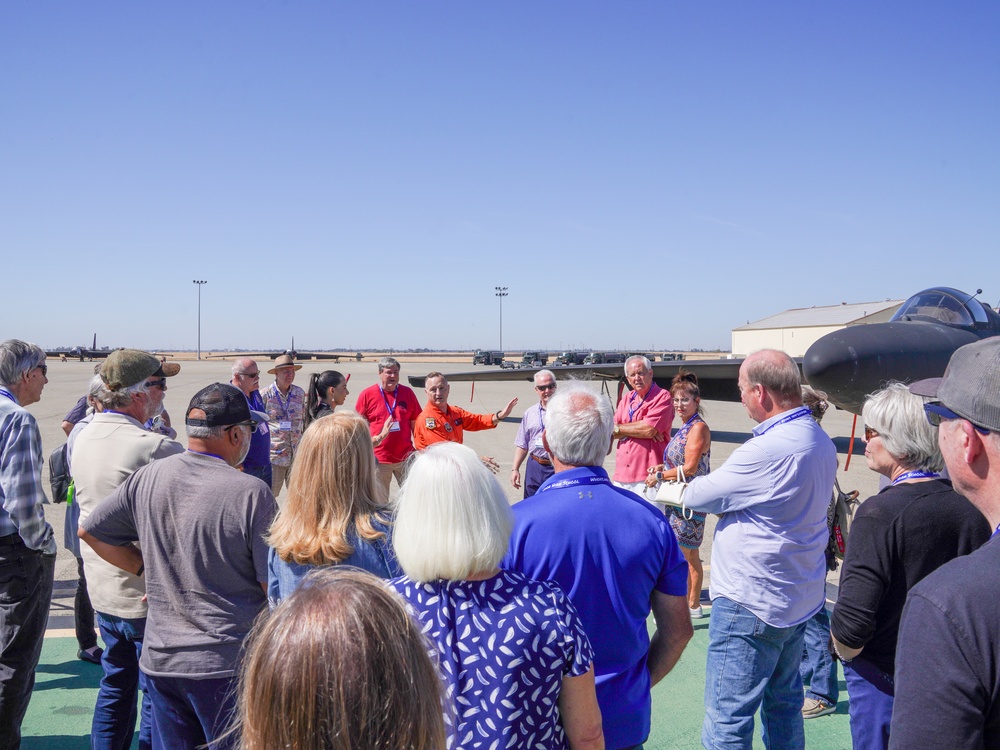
{"points": [[535, 359], [570, 358], [506, 365], [604, 358], [484, 357], [671, 357]]}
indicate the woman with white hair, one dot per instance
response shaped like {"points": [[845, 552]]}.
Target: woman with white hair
{"points": [[516, 663], [910, 528]]}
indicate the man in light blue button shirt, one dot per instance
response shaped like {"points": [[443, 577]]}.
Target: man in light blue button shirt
{"points": [[768, 561]]}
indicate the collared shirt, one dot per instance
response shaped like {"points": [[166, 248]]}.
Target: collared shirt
{"points": [[401, 406], [774, 491], [260, 441], [436, 426], [286, 415], [636, 455], [529, 434], [21, 493]]}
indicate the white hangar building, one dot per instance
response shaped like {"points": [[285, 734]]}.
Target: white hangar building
{"points": [[793, 331]]}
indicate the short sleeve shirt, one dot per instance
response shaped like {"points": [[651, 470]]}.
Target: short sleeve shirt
{"points": [[503, 646], [436, 426], [376, 407], [636, 455]]}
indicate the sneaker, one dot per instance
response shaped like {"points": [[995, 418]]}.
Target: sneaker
{"points": [[813, 708], [697, 613], [91, 655]]}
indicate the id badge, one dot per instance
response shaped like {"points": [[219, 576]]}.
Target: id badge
{"points": [[538, 443], [285, 424], [395, 426]]}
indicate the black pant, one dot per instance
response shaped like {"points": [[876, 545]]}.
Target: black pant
{"points": [[25, 594], [83, 612]]}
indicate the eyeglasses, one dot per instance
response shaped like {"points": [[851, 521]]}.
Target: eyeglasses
{"points": [[251, 375], [252, 425], [548, 387], [938, 412], [44, 369], [683, 401], [161, 384], [870, 434]]}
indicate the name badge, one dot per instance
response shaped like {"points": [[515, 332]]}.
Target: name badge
{"points": [[394, 427], [538, 443], [285, 424]]}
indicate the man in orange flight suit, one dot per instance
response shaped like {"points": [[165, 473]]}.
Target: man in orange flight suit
{"points": [[439, 422]]}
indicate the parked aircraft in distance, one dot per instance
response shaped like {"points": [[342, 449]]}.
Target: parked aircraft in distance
{"points": [[83, 352], [291, 352], [847, 364]]}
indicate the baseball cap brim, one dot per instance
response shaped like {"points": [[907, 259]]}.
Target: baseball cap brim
{"points": [[927, 387], [168, 369]]}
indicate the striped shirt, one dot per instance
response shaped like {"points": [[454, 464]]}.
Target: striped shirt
{"points": [[21, 492], [530, 432]]}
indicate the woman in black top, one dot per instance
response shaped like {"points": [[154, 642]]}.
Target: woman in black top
{"points": [[911, 527], [327, 390]]}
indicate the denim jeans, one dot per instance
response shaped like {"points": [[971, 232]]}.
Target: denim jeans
{"points": [[818, 667], [25, 592], [751, 665], [871, 692], [191, 713], [115, 712], [261, 472]]}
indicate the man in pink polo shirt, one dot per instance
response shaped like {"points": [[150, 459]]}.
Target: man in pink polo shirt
{"points": [[642, 426]]}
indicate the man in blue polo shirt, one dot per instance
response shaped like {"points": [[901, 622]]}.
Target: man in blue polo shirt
{"points": [[768, 559], [246, 377], [614, 555]]}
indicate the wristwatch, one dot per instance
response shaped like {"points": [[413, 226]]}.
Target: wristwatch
{"points": [[618, 430]]}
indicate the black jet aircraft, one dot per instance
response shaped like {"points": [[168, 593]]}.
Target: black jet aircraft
{"points": [[916, 343], [83, 352], [847, 364]]}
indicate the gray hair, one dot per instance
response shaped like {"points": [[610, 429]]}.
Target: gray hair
{"points": [[201, 432], [578, 425], [777, 372], [17, 359], [452, 516], [898, 417], [544, 372], [240, 364], [121, 398], [388, 362], [646, 364]]}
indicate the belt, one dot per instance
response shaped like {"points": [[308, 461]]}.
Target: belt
{"points": [[542, 461]]}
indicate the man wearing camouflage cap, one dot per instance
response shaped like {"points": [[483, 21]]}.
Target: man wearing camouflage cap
{"points": [[948, 654], [105, 454]]}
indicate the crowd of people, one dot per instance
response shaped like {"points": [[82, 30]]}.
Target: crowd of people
{"points": [[446, 617]]}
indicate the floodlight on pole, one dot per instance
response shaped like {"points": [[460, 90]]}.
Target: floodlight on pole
{"points": [[199, 283], [501, 293]]}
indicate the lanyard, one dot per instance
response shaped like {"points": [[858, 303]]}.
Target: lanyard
{"points": [[562, 483], [8, 394], [283, 405], [632, 410], [202, 453], [914, 475], [800, 413], [395, 400]]}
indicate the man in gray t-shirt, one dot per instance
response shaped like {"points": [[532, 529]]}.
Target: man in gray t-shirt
{"points": [[200, 523]]}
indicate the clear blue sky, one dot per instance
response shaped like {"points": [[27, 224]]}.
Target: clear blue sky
{"points": [[639, 175]]}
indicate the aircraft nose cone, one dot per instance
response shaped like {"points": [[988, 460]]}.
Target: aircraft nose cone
{"points": [[858, 360]]}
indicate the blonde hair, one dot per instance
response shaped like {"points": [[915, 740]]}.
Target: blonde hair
{"points": [[339, 665], [332, 492], [452, 516]]}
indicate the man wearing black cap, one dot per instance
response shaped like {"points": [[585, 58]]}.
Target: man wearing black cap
{"points": [[106, 452], [201, 527], [948, 655]]}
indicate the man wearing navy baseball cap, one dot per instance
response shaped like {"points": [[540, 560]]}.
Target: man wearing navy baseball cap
{"points": [[948, 655]]}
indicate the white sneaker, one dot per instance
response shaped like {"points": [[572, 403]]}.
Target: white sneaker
{"points": [[697, 613]]}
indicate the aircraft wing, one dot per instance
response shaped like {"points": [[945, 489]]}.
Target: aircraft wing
{"points": [[716, 377]]}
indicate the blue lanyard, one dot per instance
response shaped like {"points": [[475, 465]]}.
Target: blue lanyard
{"points": [[914, 475], [632, 411], [395, 400], [284, 406], [800, 413], [8, 394], [563, 483]]}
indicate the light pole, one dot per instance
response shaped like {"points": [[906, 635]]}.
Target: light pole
{"points": [[501, 293], [199, 283]]}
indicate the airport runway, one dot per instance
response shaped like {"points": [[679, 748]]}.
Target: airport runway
{"points": [[68, 380]]}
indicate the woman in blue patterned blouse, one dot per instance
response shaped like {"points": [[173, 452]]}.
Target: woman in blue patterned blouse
{"points": [[516, 664]]}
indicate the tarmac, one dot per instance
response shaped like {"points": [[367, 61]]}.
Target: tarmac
{"points": [[62, 704]]}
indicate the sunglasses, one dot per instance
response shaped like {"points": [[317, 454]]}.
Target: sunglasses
{"points": [[251, 375], [549, 387], [251, 424], [937, 412], [161, 383], [44, 369], [870, 434]]}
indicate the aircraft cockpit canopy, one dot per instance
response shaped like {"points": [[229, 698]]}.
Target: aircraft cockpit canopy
{"points": [[951, 307]]}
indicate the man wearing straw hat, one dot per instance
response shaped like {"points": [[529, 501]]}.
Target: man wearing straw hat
{"points": [[285, 407]]}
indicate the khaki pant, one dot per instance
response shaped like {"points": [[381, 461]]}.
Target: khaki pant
{"points": [[387, 471], [280, 475]]}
